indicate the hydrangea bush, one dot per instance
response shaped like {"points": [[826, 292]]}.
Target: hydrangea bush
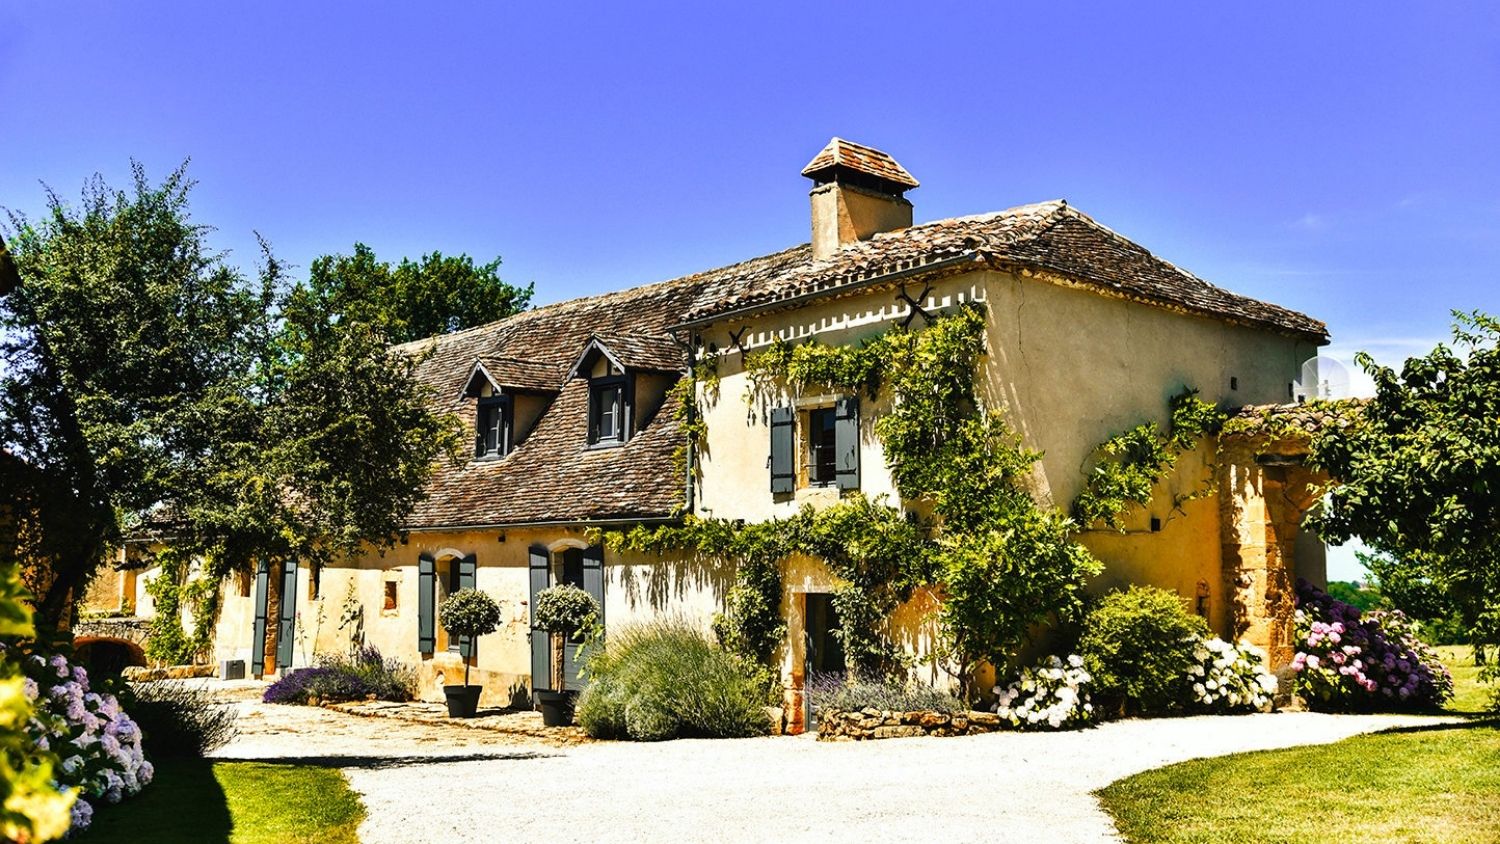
{"points": [[1226, 677], [1349, 660], [1050, 696], [97, 742]]}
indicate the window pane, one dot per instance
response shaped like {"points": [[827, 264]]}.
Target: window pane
{"points": [[609, 413], [820, 440]]}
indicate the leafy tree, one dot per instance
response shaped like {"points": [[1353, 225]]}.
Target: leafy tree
{"points": [[1363, 597], [146, 382], [1419, 477], [415, 299]]}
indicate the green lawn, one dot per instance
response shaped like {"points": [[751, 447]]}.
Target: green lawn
{"points": [[1469, 695], [240, 802], [1437, 785]]}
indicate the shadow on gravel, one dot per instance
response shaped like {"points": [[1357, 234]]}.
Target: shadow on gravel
{"points": [[1461, 722], [382, 762]]}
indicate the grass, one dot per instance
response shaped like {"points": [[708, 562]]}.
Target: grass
{"points": [[1470, 697], [235, 803], [1415, 786]]}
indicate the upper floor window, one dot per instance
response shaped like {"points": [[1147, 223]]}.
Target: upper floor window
{"points": [[607, 410], [492, 428], [822, 444]]}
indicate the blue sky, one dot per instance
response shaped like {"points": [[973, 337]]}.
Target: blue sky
{"points": [[1337, 158]]}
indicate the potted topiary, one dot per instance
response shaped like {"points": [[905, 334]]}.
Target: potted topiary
{"points": [[467, 612], [562, 611]]}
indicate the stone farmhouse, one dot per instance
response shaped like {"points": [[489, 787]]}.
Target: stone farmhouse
{"points": [[575, 427]]}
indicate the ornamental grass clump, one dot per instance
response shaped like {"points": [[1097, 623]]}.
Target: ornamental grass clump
{"points": [[469, 613], [666, 679], [1352, 661], [1050, 696], [1226, 677], [1139, 645], [563, 611]]}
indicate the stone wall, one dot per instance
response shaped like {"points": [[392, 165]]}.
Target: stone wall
{"points": [[871, 723]]}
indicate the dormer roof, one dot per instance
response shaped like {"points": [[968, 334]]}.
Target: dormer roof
{"points": [[642, 352], [514, 374]]}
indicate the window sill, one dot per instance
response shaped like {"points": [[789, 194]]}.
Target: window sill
{"points": [[606, 444], [489, 458]]}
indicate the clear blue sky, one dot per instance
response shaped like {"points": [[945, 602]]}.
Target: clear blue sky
{"points": [[1340, 158]]}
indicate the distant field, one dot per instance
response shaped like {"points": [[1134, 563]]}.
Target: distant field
{"points": [[1470, 697]]}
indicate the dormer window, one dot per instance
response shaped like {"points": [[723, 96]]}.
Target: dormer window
{"points": [[492, 429], [607, 410]]}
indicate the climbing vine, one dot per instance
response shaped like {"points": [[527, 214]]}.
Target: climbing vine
{"points": [[944, 450], [683, 398], [1129, 465], [171, 590]]}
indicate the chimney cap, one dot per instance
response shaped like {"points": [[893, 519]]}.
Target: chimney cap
{"points": [[849, 157]]}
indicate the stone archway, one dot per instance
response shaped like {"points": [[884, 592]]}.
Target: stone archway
{"points": [[1265, 490]]}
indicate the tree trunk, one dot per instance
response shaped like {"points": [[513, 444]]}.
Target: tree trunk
{"points": [[559, 653]]}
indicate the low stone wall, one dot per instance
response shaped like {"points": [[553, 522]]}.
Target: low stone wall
{"points": [[870, 723], [137, 674]]}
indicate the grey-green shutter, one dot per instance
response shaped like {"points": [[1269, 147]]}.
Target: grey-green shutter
{"points": [[541, 648], [783, 468], [846, 442], [593, 583], [288, 629], [466, 580], [258, 644], [426, 594]]}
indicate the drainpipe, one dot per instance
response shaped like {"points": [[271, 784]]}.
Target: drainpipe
{"points": [[692, 413]]}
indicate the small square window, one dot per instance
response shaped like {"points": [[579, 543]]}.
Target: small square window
{"points": [[390, 596], [607, 410]]}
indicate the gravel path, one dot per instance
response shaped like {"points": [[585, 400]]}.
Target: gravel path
{"points": [[423, 783]]}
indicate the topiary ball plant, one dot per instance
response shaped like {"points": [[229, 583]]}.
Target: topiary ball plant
{"points": [[1138, 645], [563, 611], [469, 612]]}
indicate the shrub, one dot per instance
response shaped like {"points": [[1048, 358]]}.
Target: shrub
{"points": [[99, 745], [1348, 660], [1230, 678], [358, 675], [469, 612], [1050, 696], [1138, 645], [833, 692], [180, 719], [666, 679], [564, 609]]}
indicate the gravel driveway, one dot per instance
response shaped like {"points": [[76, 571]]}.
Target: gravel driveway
{"points": [[424, 783]]}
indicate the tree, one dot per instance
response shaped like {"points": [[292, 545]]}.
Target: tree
{"points": [[1418, 477], [146, 382], [416, 299]]}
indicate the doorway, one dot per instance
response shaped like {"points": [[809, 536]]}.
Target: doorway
{"points": [[823, 659]]}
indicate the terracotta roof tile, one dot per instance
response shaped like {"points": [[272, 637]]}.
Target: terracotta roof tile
{"points": [[861, 159]]}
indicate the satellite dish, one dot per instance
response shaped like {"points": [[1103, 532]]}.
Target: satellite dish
{"points": [[1323, 377]]}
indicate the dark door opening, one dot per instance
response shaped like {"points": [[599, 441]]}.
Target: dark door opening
{"points": [[824, 662]]}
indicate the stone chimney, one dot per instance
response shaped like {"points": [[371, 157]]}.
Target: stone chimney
{"points": [[857, 193]]}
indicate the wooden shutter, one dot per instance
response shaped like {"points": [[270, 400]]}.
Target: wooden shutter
{"points": [[593, 583], [783, 467], [288, 629], [627, 408], [426, 594], [467, 568], [541, 648], [846, 442], [258, 642], [479, 430]]}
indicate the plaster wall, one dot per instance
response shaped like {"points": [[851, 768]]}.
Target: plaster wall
{"points": [[636, 589]]}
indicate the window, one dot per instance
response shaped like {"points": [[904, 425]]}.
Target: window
{"points": [[390, 596], [607, 423], [454, 584], [822, 463], [492, 427]]}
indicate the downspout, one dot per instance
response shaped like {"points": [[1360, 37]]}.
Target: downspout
{"points": [[691, 413]]}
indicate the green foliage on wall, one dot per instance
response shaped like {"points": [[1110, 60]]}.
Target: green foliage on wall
{"points": [[945, 451], [1129, 465], [171, 590]]}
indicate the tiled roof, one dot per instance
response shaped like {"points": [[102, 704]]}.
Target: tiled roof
{"points": [[553, 475], [653, 352], [861, 159], [518, 374], [1048, 237], [1300, 421]]}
